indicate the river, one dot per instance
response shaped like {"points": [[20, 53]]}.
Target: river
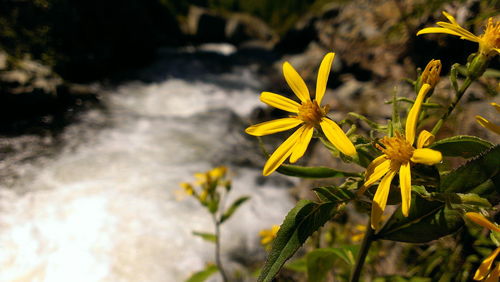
{"points": [[103, 207]]}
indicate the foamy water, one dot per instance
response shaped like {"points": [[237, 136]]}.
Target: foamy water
{"points": [[104, 208]]}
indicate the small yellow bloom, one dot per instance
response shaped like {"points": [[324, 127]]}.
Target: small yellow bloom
{"points": [[268, 235], [359, 233], [484, 268], [210, 177], [431, 73], [309, 114], [398, 155], [488, 124], [489, 41]]}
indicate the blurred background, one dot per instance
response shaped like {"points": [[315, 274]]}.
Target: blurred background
{"points": [[105, 106]]}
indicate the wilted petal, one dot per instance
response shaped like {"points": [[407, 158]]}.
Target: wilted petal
{"points": [[426, 156], [301, 146], [279, 102], [411, 120], [273, 126], [405, 184], [337, 137], [296, 82], [283, 151], [485, 266], [481, 220], [323, 73], [495, 105], [377, 168], [425, 138], [380, 198]]}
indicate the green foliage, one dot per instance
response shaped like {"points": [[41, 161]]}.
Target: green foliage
{"points": [[206, 236], [320, 261], [313, 172], [300, 223], [234, 206], [474, 173], [427, 221], [461, 146], [204, 274]]}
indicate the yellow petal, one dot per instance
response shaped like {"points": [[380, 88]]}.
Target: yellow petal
{"points": [[283, 151], [296, 82], [425, 138], [494, 274], [411, 120], [273, 126], [300, 147], [449, 17], [279, 102], [380, 198], [460, 31], [323, 73], [485, 266], [496, 106], [377, 168], [337, 137], [481, 220], [426, 156], [405, 183], [488, 124]]}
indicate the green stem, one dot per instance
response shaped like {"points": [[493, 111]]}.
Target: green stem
{"points": [[218, 260], [363, 252], [468, 81]]}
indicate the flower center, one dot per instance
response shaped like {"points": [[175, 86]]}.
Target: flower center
{"points": [[397, 148], [310, 112], [491, 37]]}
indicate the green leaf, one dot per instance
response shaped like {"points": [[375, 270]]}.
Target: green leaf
{"points": [[313, 172], [234, 206], [453, 198], [427, 221], [461, 146], [206, 236], [319, 263], [300, 223], [298, 265], [474, 173], [370, 123], [203, 275], [334, 194]]}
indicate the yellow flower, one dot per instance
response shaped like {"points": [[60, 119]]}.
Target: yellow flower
{"points": [[399, 154], [309, 114], [210, 177], [359, 233], [431, 73], [489, 41], [488, 124], [268, 235], [485, 266]]}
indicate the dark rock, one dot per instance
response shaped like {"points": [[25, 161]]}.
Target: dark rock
{"points": [[204, 25]]}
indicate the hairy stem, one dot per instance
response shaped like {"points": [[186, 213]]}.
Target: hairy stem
{"points": [[365, 246], [458, 96]]}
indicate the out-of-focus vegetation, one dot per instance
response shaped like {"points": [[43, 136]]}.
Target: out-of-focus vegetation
{"points": [[87, 39]]}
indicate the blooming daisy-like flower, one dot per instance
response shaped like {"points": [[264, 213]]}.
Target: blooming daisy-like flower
{"points": [[484, 268], [398, 156], [489, 41], [308, 114], [488, 124]]}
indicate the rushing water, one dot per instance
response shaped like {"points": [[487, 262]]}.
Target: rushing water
{"points": [[103, 208]]}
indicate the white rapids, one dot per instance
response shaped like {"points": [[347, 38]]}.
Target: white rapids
{"points": [[104, 208]]}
